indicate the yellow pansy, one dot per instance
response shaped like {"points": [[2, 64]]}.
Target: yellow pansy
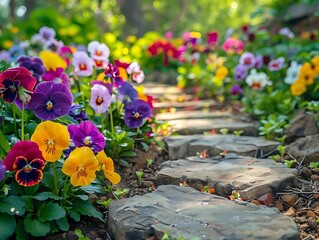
{"points": [[81, 166], [221, 72], [52, 60], [52, 138], [298, 88], [315, 64], [307, 74], [107, 166]]}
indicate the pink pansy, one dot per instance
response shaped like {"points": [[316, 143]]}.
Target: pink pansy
{"points": [[83, 64], [100, 98], [98, 50], [233, 45], [66, 52], [58, 76], [247, 59], [276, 64], [137, 74]]}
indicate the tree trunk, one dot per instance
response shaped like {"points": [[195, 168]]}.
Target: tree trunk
{"points": [[12, 10], [30, 5], [134, 17]]}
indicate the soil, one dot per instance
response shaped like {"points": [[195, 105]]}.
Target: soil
{"points": [[300, 203]]}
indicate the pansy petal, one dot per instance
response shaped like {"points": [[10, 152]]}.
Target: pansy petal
{"points": [[114, 177], [28, 179], [37, 163], [19, 163]]}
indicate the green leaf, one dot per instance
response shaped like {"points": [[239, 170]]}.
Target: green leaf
{"points": [[48, 180], [74, 215], [20, 232], [35, 227], [46, 195], [7, 225], [83, 197], [51, 211], [63, 224], [86, 208], [145, 146], [28, 203], [4, 142], [12, 205], [128, 154], [314, 164]]}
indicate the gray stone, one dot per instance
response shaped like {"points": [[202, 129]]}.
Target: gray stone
{"points": [[199, 126], [188, 104], [304, 124], [252, 177], [187, 213], [183, 146], [305, 148], [194, 115], [160, 90]]}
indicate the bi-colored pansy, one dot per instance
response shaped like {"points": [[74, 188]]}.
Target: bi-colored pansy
{"points": [[83, 64], [100, 98], [248, 60], [107, 166], [81, 166], [88, 135], [256, 80], [52, 138], [276, 64], [25, 158], [135, 113]]}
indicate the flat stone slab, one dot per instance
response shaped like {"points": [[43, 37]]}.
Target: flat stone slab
{"points": [[196, 114], [188, 104], [251, 176], [183, 146], [159, 90], [185, 212], [198, 126]]}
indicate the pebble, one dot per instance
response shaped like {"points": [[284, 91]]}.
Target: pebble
{"points": [[256, 202], [305, 172], [290, 199], [304, 226], [279, 205], [311, 214], [312, 223], [301, 219], [147, 184], [315, 170], [314, 178], [291, 212], [266, 199], [93, 198]]}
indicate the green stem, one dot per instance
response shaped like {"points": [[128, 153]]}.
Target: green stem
{"points": [[111, 120], [102, 123], [22, 122], [55, 179], [2, 116], [14, 120]]}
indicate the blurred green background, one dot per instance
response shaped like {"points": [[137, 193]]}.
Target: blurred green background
{"points": [[81, 21]]}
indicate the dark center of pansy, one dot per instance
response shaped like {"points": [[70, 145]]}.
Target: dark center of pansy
{"points": [[82, 67], [49, 105], [136, 115], [98, 63], [99, 100], [98, 53], [247, 61], [50, 146], [87, 140], [81, 171], [27, 168], [275, 65], [256, 85]]}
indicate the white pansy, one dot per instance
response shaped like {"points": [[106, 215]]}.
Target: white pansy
{"points": [[257, 80], [292, 73]]}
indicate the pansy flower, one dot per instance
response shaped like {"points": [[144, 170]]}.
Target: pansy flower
{"points": [[25, 158], [4, 55], [307, 74], [16, 84], [52, 60], [276, 64], [88, 135], [100, 98], [113, 73], [99, 53], [46, 34], [236, 89], [51, 100], [135, 113], [81, 166], [292, 73], [107, 166], [52, 138], [298, 88], [221, 72], [58, 76], [127, 93], [34, 64], [240, 72], [15, 51], [212, 38], [3, 170], [315, 64], [256, 80], [247, 59], [77, 112], [83, 64], [259, 61], [232, 45], [137, 74]]}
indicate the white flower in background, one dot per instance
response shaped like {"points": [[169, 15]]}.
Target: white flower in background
{"points": [[286, 32], [292, 73], [100, 53], [257, 80]]}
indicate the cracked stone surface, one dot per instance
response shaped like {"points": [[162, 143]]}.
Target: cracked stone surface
{"points": [[185, 212], [199, 126], [251, 176], [183, 146]]}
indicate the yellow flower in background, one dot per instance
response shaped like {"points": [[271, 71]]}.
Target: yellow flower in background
{"points": [[315, 64], [52, 138], [7, 44], [81, 166], [52, 60], [221, 72], [217, 81], [307, 74], [107, 166], [131, 39], [298, 88]]}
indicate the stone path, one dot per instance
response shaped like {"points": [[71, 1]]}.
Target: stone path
{"points": [[185, 211]]}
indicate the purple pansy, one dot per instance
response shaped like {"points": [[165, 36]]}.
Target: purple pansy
{"points": [[46, 34], [259, 61], [276, 64], [4, 55], [135, 112], [247, 59], [236, 89], [77, 112], [113, 72], [127, 93], [58, 76], [3, 169], [86, 134], [240, 73], [51, 100], [34, 64]]}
